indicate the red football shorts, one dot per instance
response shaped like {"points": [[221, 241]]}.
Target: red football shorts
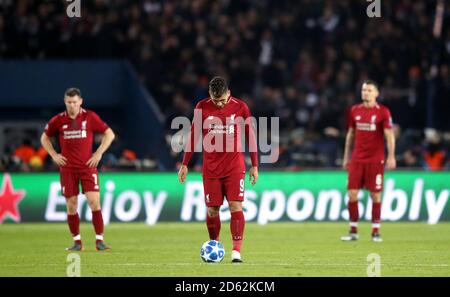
{"points": [[231, 187], [71, 179], [365, 175]]}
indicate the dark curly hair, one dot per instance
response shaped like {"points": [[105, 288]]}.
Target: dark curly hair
{"points": [[218, 86]]}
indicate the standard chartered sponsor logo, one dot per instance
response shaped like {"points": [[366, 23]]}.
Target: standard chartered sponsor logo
{"points": [[75, 134], [264, 206], [366, 126], [266, 136]]}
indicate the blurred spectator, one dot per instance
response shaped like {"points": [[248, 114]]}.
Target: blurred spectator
{"points": [[25, 152], [434, 155], [37, 161], [410, 158]]}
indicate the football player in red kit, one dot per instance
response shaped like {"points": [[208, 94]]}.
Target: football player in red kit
{"points": [[369, 124], [75, 129], [223, 158]]}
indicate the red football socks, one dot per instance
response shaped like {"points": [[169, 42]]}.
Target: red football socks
{"points": [[74, 227], [354, 216], [213, 224], [237, 225], [97, 221], [376, 216]]}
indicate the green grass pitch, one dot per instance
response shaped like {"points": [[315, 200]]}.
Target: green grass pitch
{"points": [[276, 249]]}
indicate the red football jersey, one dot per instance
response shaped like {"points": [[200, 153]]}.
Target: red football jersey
{"points": [[369, 125], [76, 136], [221, 134]]}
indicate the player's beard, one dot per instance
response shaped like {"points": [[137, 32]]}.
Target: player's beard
{"points": [[73, 111], [219, 104]]}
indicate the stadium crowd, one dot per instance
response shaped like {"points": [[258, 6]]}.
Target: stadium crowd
{"points": [[302, 61]]}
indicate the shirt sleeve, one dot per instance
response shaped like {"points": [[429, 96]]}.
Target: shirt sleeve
{"points": [[350, 119], [97, 124], [193, 138], [250, 136], [52, 127], [387, 119]]}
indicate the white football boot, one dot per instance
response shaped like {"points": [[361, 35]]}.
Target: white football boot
{"points": [[350, 237], [376, 237], [236, 257]]}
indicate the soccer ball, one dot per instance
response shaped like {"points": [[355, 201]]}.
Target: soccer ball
{"points": [[212, 251]]}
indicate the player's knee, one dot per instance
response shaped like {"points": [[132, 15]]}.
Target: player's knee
{"points": [[71, 210], [213, 211], [353, 195], [376, 197], [93, 199], [72, 205], [235, 206], [94, 205]]}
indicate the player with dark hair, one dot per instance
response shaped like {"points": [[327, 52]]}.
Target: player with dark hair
{"points": [[75, 128], [368, 124], [223, 158]]}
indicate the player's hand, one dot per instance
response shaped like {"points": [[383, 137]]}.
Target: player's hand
{"points": [[254, 175], [94, 160], [391, 163], [59, 159], [182, 173], [345, 163]]}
